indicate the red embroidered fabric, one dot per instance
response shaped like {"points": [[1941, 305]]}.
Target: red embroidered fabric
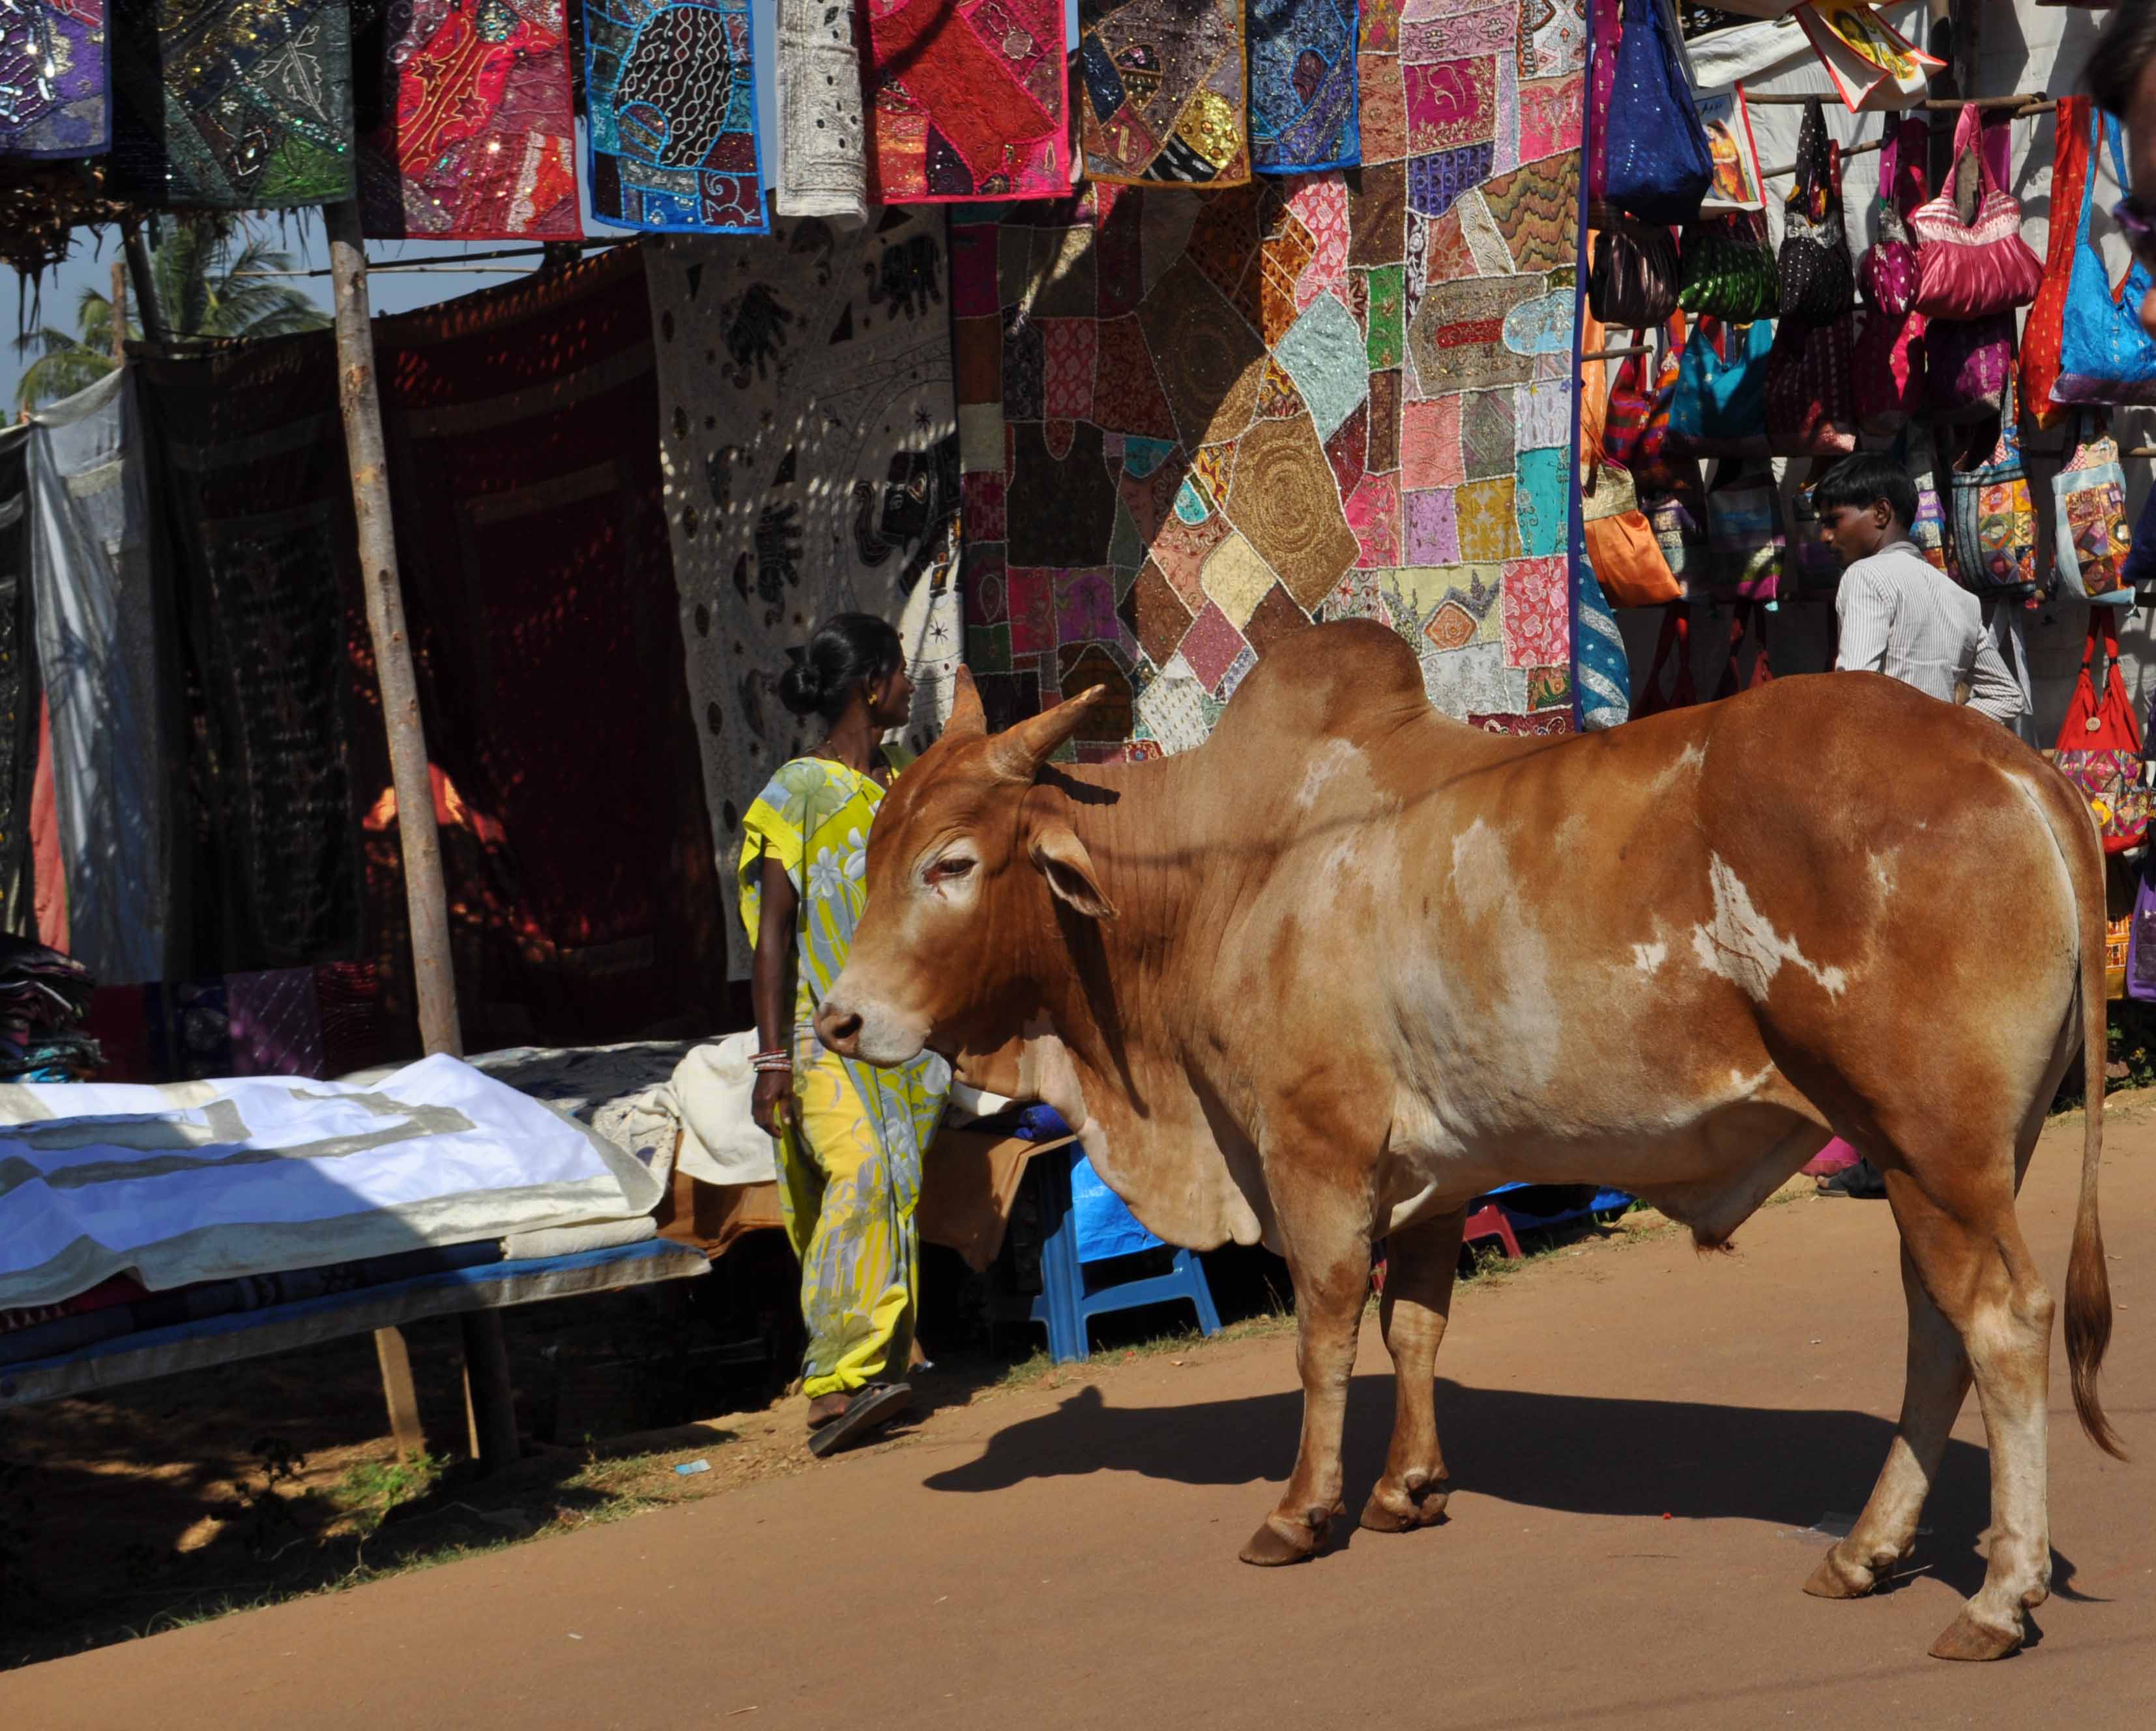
{"points": [[967, 101]]}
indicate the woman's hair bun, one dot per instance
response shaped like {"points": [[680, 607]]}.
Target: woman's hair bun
{"points": [[800, 690]]}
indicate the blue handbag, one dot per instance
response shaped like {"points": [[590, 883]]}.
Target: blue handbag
{"points": [[1719, 408], [2105, 356], [1660, 166]]}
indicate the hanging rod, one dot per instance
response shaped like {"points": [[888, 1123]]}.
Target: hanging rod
{"points": [[2037, 103], [1616, 354], [1847, 150]]}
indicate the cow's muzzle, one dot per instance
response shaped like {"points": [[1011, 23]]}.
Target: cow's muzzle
{"points": [[866, 1032]]}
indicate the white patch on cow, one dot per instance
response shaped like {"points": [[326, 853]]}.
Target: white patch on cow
{"points": [[1481, 876], [1741, 945], [1691, 760], [1746, 1085], [1882, 872], [1648, 957], [1569, 834], [1326, 763]]}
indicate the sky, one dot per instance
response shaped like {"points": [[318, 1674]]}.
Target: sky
{"points": [[299, 233]]}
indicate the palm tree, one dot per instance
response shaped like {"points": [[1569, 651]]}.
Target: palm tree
{"points": [[206, 286]]}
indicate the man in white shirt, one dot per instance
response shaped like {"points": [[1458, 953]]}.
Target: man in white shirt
{"points": [[1901, 615]]}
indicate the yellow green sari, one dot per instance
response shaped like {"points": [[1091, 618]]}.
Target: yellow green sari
{"points": [[850, 1167]]}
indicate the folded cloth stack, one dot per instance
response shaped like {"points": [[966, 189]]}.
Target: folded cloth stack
{"points": [[43, 997]]}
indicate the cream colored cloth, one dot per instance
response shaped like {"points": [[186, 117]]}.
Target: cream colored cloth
{"points": [[823, 168]]}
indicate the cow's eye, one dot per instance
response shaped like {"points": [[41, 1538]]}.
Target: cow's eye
{"points": [[949, 869]]}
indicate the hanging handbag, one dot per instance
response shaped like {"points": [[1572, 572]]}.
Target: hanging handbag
{"points": [[1811, 410], [1887, 367], [1744, 534], [1633, 280], [2105, 355], [1636, 425], [1660, 167], [1966, 363], [1815, 568], [1678, 519], [1971, 270], [2089, 496], [2045, 329], [1626, 558], [1719, 408], [1726, 269], [1605, 28], [1673, 648], [1914, 452], [2100, 744], [2140, 982], [1991, 517], [1818, 281]]}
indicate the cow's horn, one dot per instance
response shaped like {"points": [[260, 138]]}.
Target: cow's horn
{"points": [[968, 720], [1016, 754]]}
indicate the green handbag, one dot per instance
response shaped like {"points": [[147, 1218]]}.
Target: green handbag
{"points": [[1727, 269]]}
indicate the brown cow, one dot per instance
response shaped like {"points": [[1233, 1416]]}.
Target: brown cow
{"points": [[1328, 976]]}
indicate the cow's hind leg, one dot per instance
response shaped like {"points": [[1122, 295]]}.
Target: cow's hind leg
{"points": [[1960, 1234], [1420, 1262], [1325, 1233]]}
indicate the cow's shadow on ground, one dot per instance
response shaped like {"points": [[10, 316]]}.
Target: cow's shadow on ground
{"points": [[1689, 1460]]}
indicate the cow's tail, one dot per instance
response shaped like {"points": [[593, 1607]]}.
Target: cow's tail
{"points": [[2088, 1282]]}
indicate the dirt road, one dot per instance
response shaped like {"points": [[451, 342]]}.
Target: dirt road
{"points": [[1637, 1434]]}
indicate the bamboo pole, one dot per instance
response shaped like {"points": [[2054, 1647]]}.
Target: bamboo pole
{"points": [[486, 1360], [119, 304]]}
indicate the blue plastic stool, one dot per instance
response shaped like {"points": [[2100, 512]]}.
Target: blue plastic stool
{"points": [[1066, 1304]]}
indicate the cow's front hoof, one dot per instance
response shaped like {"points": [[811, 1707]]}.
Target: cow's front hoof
{"points": [[1276, 1543], [1968, 1639], [1402, 1508], [1837, 1579]]}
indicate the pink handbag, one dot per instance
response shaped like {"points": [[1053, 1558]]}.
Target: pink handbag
{"points": [[1969, 270], [1889, 362]]}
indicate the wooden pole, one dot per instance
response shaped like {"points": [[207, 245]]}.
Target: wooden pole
{"points": [[486, 1360], [120, 309], [145, 284], [420, 842]]}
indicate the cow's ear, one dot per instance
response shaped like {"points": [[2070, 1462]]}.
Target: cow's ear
{"points": [[1061, 858], [967, 719], [1018, 752]]}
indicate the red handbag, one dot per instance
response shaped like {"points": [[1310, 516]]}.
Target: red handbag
{"points": [[1637, 427], [2100, 745], [1971, 270], [1674, 644], [2045, 329]]}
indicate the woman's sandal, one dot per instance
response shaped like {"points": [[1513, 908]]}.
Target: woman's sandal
{"points": [[872, 1407]]}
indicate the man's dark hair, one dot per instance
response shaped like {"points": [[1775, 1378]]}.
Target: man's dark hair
{"points": [[2121, 56], [1858, 482]]}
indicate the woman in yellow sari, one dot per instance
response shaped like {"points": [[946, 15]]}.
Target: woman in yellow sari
{"points": [[850, 1137]]}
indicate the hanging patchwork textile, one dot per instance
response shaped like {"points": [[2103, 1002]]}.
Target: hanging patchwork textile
{"points": [[823, 161], [1304, 114], [966, 102], [19, 702], [245, 107], [1165, 96], [471, 132], [53, 101], [2089, 499], [672, 95]]}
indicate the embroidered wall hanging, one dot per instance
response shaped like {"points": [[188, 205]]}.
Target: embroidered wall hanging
{"points": [[823, 159], [811, 462], [1165, 100], [1302, 85], [53, 79], [1193, 421], [469, 135], [670, 92], [966, 101], [244, 106]]}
